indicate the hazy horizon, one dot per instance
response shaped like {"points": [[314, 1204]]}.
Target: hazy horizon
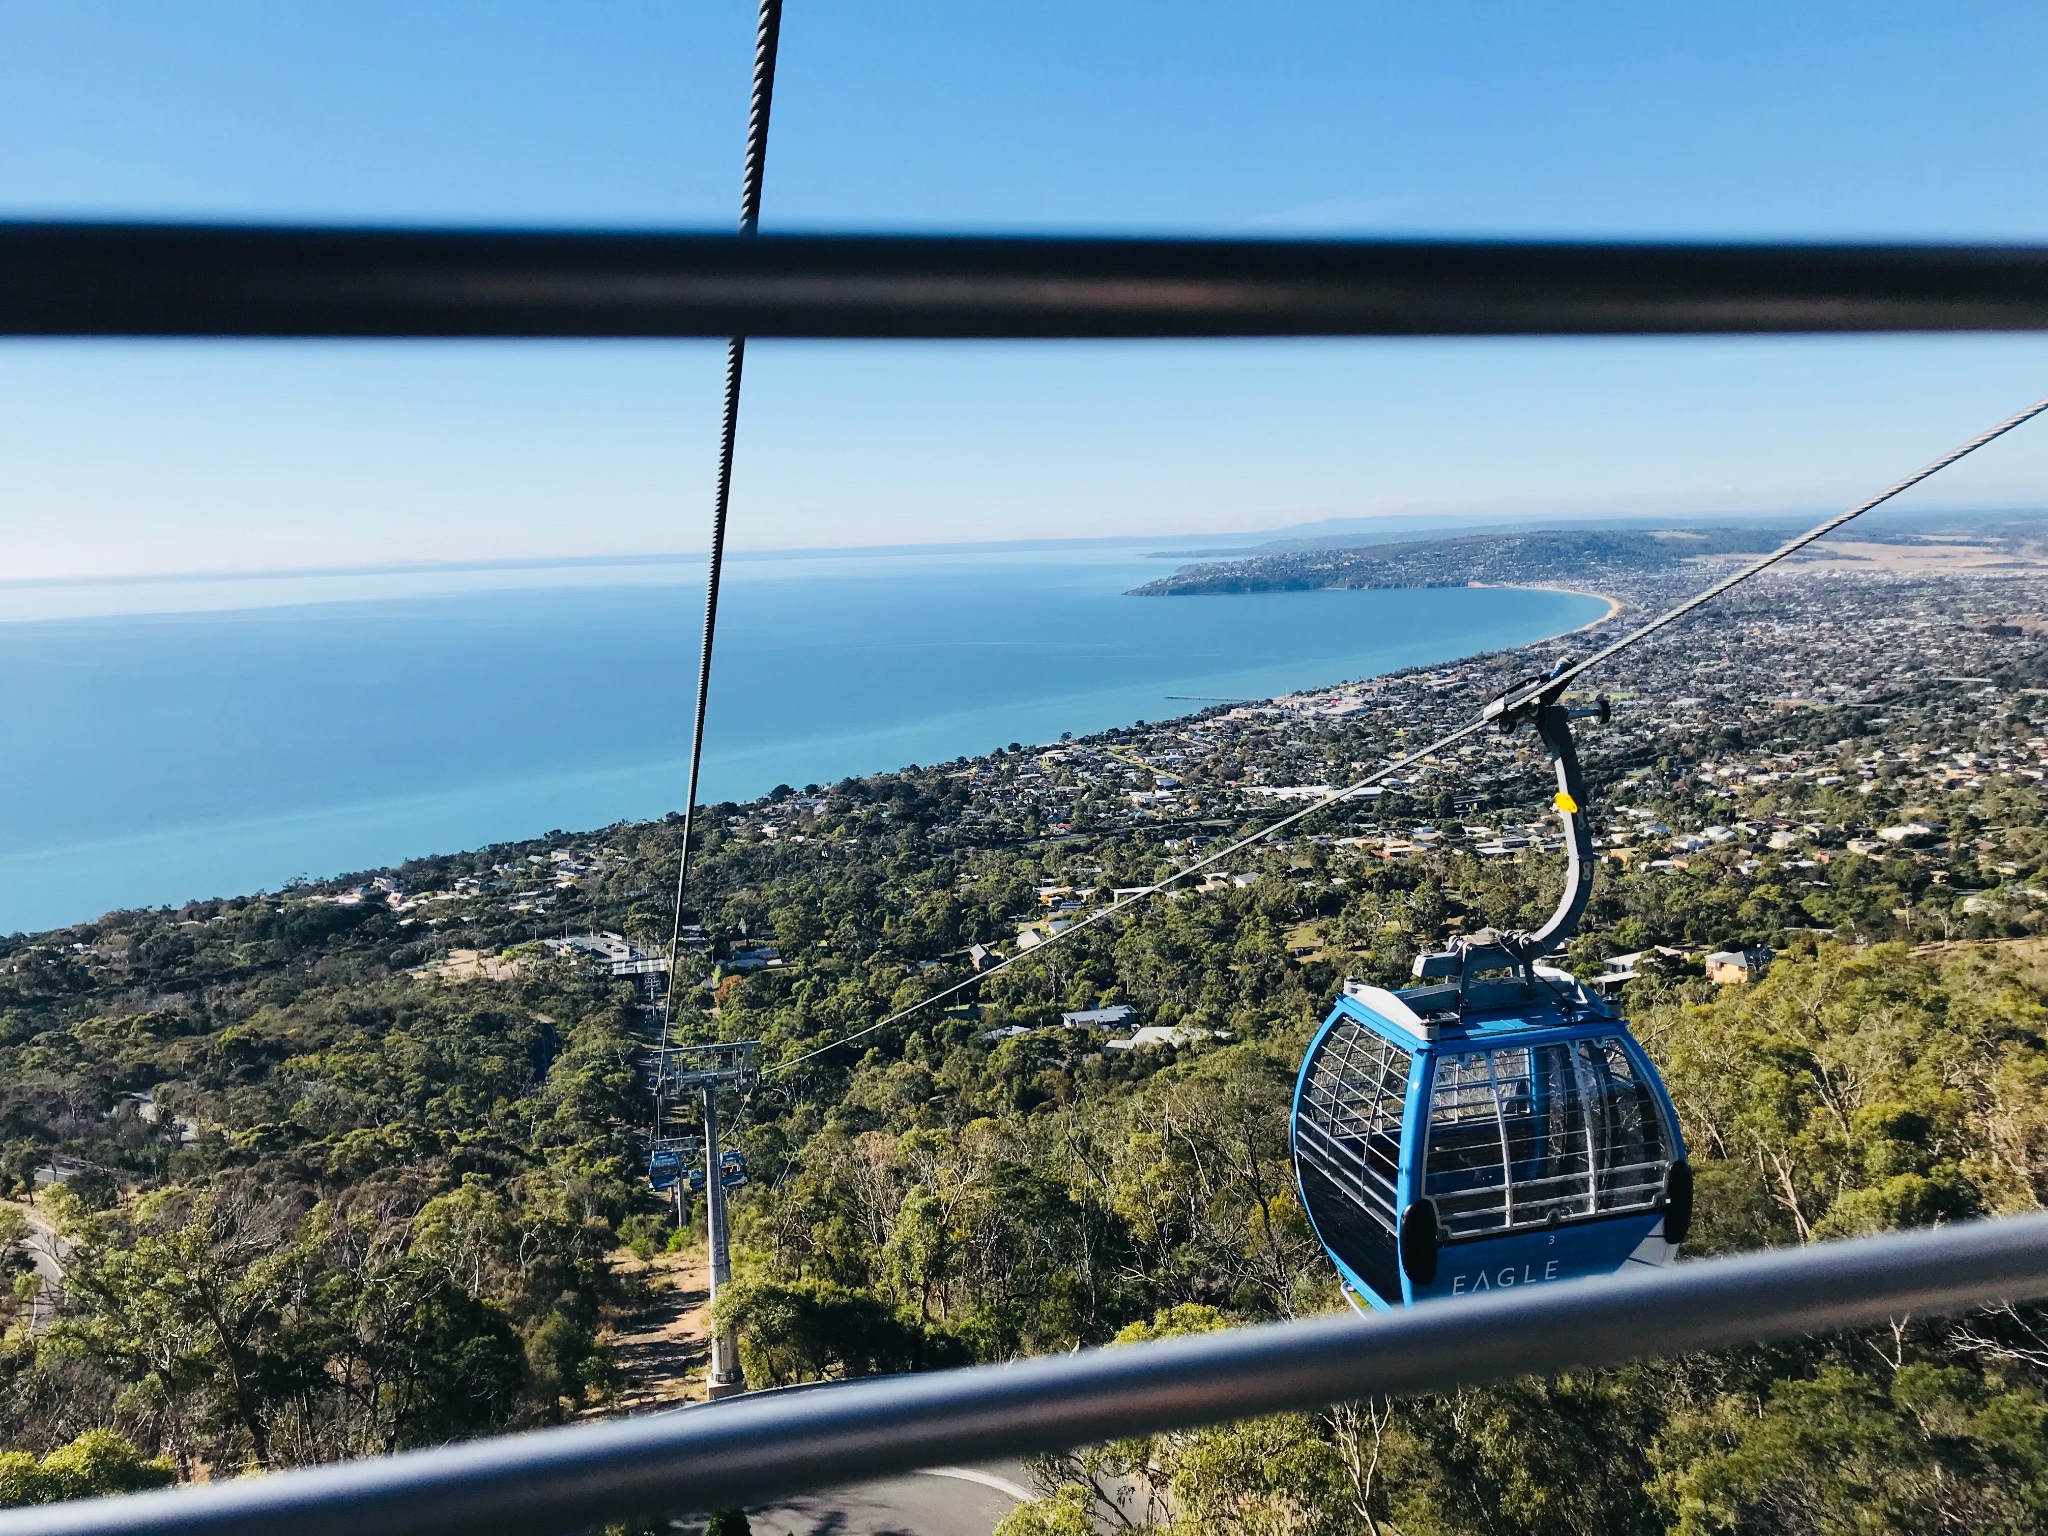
{"points": [[1393, 526], [1833, 121]]}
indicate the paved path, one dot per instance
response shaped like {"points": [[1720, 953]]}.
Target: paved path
{"points": [[661, 1355], [45, 1250], [946, 1501]]}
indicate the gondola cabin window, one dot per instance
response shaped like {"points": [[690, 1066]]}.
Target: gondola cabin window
{"points": [[1533, 1136], [1349, 1144]]}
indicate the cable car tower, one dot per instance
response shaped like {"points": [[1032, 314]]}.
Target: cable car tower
{"points": [[1496, 1125], [707, 1069]]}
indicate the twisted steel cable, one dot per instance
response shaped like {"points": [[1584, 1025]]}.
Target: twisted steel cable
{"points": [[767, 39]]}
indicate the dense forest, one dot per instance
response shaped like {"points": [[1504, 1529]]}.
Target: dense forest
{"points": [[304, 1190]]}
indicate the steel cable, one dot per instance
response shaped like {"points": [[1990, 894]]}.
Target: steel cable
{"points": [[1567, 676], [767, 39], [1926, 471], [1111, 910]]}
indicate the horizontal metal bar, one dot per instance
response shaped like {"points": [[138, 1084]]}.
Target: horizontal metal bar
{"points": [[70, 279], [776, 1444]]}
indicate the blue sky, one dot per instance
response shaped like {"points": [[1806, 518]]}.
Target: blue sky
{"points": [[1740, 120]]}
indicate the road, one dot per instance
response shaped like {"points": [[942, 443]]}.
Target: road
{"points": [[946, 1501], [45, 1250]]}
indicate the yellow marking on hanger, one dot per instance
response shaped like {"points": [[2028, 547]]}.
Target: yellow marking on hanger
{"points": [[1567, 804]]}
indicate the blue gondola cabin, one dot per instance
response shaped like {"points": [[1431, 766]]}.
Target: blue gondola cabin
{"points": [[664, 1169], [1447, 1152]]}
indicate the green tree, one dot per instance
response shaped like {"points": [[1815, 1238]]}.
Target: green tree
{"points": [[1841, 1455], [97, 1463], [195, 1290], [1064, 1512]]}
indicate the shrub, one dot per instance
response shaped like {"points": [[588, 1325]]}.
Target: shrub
{"points": [[97, 1462]]}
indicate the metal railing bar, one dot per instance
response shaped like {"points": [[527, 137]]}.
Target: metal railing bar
{"points": [[747, 1449], [92, 279]]}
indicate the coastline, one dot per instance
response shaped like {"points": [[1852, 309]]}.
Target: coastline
{"points": [[821, 678], [1614, 604]]}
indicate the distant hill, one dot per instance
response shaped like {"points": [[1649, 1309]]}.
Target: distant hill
{"points": [[1548, 555]]}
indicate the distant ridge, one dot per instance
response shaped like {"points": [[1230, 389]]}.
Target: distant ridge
{"points": [[1598, 557], [1540, 557], [1353, 532]]}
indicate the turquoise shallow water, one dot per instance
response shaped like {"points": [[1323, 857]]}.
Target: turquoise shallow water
{"points": [[155, 757]]}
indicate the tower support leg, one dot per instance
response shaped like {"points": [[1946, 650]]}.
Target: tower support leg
{"points": [[725, 1377]]}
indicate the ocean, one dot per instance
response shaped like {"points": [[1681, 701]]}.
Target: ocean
{"points": [[171, 740]]}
